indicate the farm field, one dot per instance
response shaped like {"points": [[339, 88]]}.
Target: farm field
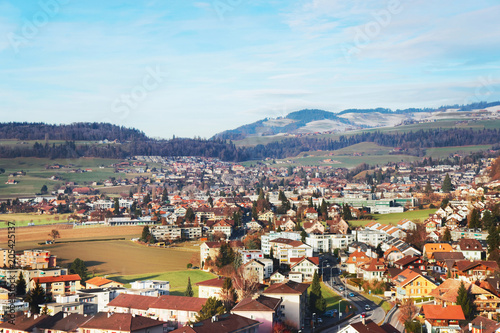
{"points": [[177, 279], [396, 217], [117, 257], [22, 219]]}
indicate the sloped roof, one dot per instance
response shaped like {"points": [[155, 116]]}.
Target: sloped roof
{"points": [[100, 281], [451, 312], [217, 282], [261, 303], [289, 287], [133, 301], [183, 303], [120, 322], [224, 323], [60, 278]]}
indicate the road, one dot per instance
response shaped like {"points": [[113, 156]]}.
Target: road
{"points": [[393, 319], [375, 313]]}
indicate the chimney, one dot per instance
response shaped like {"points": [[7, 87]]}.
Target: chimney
{"points": [[65, 314], [109, 314], [35, 316], [470, 327], [363, 320]]}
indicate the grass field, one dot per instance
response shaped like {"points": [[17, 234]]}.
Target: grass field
{"points": [[22, 219], [177, 279], [333, 299], [396, 217]]}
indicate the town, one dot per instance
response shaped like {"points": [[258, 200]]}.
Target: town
{"points": [[277, 240]]}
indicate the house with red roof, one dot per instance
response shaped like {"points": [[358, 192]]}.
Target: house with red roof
{"points": [[439, 318], [224, 323], [306, 266], [410, 284], [211, 288], [100, 282], [372, 270], [355, 260], [121, 322], [176, 310], [266, 310], [58, 285], [293, 296], [284, 249]]}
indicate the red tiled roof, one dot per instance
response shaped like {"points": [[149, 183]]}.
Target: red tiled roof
{"points": [[100, 281], [133, 301], [183, 303], [261, 303], [120, 322], [60, 278], [288, 287], [217, 282], [224, 323], [451, 312]]}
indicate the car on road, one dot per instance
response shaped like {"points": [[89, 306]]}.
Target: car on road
{"points": [[351, 294], [367, 307], [341, 288], [320, 321], [329, 313]]}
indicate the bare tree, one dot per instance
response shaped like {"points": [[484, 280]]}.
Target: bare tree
{"points": [[408, 310], [54, 234], [245, 283]]}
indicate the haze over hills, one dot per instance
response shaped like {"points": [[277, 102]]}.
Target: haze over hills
{"points": [[314, 121]]}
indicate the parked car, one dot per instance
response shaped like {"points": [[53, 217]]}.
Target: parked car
{"points": [[341, 288], [320, 321], [367, 307], [351, 294], [329, 313]]}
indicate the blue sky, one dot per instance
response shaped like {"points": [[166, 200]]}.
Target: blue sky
{"points": [[195, 68]]}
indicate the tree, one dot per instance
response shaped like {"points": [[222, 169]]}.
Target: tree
{"points": [[446, 235], [493, 238], [190, 216], [54, 234], [428, 187], [245, 283], [488, 219], [116, 208], [465, 301], [78, 267], [407, 310], [228, 294], [164, 195], [210, 201], [317, 303], [146, 235], [413, 326], [346, 212], [226, 255], [474, 219], [303, 236], [211, 308], [189, 290], [44, 189], [447, 186], [21, 285], [35, 298]]}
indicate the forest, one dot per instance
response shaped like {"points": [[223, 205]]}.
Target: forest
{"points": [[413, 143]]}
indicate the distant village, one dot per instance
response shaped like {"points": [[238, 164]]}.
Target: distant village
{"points": [[270, 234]]}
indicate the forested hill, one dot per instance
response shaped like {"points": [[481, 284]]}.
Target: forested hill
{"points": [[413, 143], [72, 132]]}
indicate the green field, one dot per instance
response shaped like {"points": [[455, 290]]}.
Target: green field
{"points": [[22, 219], [396, 217], [333, 299], [177, 279], [37, 175]]}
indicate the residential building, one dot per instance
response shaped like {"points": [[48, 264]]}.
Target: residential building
{"points": [[284, 249], [247, 255], [58, 285], [163, 287], [409, 284], [306, 267], [471, 248], [258, 269], [440, 319], [374, 269], [211, 288], [264, 309], [226, 323], [100, 282], [293, 304], [121, 322]]}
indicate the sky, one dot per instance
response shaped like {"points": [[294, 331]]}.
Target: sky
{"points": [[196, 68]]}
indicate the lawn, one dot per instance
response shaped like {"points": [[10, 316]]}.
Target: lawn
{"points": [[177, 279], [396, 217], [333, 299]]}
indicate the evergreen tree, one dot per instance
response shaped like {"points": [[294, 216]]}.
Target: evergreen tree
{"points": [[474, 221], [146, 235], [226, 255], [210, 201], [317, 304], [447, 186], [164, 195], [446, 235], [324, 209], [488, 219], [428, 187], [493, 238], [21, 285], [310, 204], [303, 236], [189, 290], [464, 300], [147, 199], [190, 216], [211, 308], [116, 208], [78, 267], [346, 212], [44, 189], [35, 298]]}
